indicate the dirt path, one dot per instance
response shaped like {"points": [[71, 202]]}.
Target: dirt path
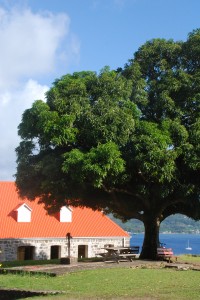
{"points": [[56, 270]]}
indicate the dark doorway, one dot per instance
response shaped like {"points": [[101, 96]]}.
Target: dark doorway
{"points": [[25, 252], [82, 251], [55, 252]]}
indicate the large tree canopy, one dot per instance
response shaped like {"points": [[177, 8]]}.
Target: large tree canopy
{"points": [[126, 141]]}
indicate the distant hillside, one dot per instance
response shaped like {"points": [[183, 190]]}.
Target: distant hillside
{"points": [[173, 224]]}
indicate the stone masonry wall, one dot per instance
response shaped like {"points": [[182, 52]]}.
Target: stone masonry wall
{"points": [[9, 247]]}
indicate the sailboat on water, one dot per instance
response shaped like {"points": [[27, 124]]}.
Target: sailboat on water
{"points": [[188, 246]]}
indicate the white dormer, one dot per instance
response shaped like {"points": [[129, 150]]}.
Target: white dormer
{"points": [[65, 214], [23, 213]]}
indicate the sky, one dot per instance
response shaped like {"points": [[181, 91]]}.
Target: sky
{"points": [[42, 40]]}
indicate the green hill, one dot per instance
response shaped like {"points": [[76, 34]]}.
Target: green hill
{"points": [[173, 224]]}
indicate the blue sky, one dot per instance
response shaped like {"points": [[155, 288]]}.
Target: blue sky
{"points": [[41, 40]]}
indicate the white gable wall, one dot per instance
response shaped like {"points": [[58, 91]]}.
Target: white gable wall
{"points": [[24, 214], [65, 214]]}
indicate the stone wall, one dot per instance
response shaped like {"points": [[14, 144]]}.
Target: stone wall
{"points": [[42, 246]]}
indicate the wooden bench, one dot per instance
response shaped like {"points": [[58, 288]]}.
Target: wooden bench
{"points": [[108, 256], [165, 254], [128, 256], [119, 253], [131, 253], [135, 249], [101, 254]]}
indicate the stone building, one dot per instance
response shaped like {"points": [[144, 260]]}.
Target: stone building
{"points": [[28, 232]]}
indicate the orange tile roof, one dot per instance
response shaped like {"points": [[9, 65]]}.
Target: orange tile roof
{"points": [[85, 221]]}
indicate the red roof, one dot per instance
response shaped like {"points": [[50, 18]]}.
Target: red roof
{"points": [[85, 221]]}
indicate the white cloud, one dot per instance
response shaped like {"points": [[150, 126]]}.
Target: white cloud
{"points": [[29, 43], [10, 116], [31, 50]]}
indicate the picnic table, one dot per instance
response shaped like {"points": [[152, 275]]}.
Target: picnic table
{"points": [[119, 253]]}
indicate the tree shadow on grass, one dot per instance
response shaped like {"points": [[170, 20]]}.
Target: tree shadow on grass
{"points": [[19, 294]]}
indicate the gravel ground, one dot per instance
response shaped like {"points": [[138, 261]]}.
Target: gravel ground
{"points": [[62, 269], [57, 270]]}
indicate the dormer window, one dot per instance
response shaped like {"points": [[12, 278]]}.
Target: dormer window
{"points": [[23, 213], [65, 214]]}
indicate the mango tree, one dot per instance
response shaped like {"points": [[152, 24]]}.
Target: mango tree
{"points": [[125, 141]]}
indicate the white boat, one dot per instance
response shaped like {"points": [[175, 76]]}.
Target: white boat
{"points": [[188, 247]]}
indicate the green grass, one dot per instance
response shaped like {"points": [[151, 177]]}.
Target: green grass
{"points": [[189, 258], [16, 263], [19, 263], [161, 284], [118, 283]]}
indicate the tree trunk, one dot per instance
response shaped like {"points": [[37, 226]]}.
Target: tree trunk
{"points": [[151, 238]]}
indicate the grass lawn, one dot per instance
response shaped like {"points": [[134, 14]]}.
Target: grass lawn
{"points": [[114, 283], [18, 263], [189, 258]]}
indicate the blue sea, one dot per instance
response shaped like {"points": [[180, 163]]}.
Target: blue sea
{"points": [[178, 242]]}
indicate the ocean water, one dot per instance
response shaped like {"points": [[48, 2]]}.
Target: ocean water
{"points": [[178, 242]]}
